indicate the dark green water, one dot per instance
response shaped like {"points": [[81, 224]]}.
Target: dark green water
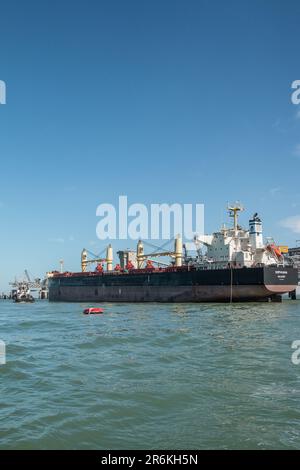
{"points": [[150, 376]]}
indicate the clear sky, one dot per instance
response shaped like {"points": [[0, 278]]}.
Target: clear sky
{"points": [[163, 100]]}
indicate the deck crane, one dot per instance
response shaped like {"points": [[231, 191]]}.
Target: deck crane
{"points": [[85, 261], [176, 254]]}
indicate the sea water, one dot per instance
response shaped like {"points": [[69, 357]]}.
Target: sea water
{"points": [[150, 376]]}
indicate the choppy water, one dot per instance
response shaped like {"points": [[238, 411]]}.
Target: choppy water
{"points": [[149, 376]]}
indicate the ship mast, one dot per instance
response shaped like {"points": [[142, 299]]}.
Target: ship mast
{"points": [[234, 210]]}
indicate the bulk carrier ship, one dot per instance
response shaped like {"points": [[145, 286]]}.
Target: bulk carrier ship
{"points": [[236, 267]]}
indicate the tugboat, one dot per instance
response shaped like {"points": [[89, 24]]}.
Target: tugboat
{"points": [[22, 295]]}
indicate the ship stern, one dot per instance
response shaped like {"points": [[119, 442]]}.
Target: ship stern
{"points": [[280, 279]]}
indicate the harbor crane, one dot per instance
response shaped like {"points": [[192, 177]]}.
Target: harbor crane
{"points": [[28, 284]]}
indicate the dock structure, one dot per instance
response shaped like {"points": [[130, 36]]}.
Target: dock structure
{"points": [[294, 256], [294, 251], [27, 284]]}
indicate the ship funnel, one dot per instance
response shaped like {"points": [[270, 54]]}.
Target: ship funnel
{"points": [[178, 251], [255, 232], [83, 260], [109, 257]]}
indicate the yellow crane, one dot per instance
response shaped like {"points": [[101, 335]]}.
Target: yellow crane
{"points": [[177, 253], [85, 262]]}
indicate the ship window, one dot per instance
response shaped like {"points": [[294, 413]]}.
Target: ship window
{"points": [[96, 291]]}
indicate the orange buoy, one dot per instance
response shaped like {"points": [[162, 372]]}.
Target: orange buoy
{"points": [[92, 311]]}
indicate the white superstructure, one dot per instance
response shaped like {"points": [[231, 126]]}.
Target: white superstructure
{"points": [[239, 247]]}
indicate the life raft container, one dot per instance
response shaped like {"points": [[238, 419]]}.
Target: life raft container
{"points": [[92, 311]]}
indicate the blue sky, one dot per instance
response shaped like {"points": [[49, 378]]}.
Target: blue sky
{"points": [[164, 101]]}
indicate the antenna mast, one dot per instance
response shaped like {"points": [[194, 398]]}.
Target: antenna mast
{"points": [[234, 210]]}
